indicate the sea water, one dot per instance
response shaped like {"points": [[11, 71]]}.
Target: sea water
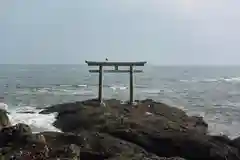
{"points": [[211, 92]]}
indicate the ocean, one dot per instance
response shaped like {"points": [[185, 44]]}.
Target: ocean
{"points": [[209, 91]]}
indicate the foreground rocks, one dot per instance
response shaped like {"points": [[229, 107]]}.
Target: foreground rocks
{"points": [[154, 127], [147, 131], [21, 144], [18, 142]]}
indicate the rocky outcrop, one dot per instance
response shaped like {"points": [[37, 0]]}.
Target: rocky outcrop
{"points": [[4, 120], [154, 127], [21, 144], [18, 142], [146, 131]]}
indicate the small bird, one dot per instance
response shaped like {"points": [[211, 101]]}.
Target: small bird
{"points": [[106, 59]]}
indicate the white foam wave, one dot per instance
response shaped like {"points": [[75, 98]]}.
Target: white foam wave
{"points": [[44, 90], [231, 130], [57, 92], [151, 91], [34, 90], [187, 81], [210, 80], [84, 93], [82, 85], [25, 109], [68, 85], [233, 79], [218, 123], [118, 87], [37, 122]]}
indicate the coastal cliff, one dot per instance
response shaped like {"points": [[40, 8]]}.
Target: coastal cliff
{"points": [[148, 130]]}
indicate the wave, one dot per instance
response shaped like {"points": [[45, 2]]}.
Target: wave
{"points": [[121, 87], [31, 91], [115, 87], [37, 122], [54, 91], [71, 85], [83, 93], [152, 91], [202, 80], [19, 86], [140, 86], [233, 79]]}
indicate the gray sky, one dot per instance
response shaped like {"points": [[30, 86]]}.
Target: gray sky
{"points": [[160, 31]]}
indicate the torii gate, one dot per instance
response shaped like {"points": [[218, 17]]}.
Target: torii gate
{"points": [[116, 70]]}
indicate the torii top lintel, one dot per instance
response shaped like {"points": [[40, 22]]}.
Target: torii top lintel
{"points": [[108, 63]]}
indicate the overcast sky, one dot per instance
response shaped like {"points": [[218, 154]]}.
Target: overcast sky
{"points": [[164, 32]]}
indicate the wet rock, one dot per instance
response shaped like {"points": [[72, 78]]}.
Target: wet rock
{"points": [[99, 146], [118, 132], [28, 153], [94, 145], [222, 138], [139, 157], [22, 129], [65, 107], [167, 132], [236, 142], [27, 112], [18, 142], [67, 151], [17, 134], [127, 156], [37, 139], [4, 120]]}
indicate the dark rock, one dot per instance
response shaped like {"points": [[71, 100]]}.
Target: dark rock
{"points": [[67, 151], [100, 146], [183, 145], [138, 157], [89, 155], [127, 156], [18, 143], [146, 131], [198, 124], [236, 142], [222, 138], [19, 134], [27, 112], [65, 107], [94, 145], [165, 131], [23, 129]]}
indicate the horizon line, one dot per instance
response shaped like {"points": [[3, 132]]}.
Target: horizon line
{"points": [[148, 64]]}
